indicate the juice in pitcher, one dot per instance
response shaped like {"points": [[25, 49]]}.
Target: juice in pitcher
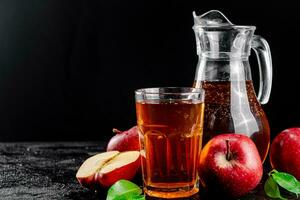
{"points": [[229, 111]]}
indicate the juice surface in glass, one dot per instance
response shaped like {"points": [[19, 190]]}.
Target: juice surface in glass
{"points": [[170, 137]]}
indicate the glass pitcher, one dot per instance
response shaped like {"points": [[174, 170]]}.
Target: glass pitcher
{"points": [[223, 70]]}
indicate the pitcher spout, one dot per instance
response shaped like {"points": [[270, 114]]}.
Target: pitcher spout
{"points": [[211, 18], [217, 37]]}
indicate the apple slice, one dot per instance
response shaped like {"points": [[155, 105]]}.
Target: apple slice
{"points": [[87, 171], [123, 166]]}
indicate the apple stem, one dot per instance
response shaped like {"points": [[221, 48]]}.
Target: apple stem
{"points": [[116, 131], [228, 152]]}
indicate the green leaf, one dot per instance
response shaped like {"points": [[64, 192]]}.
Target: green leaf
{"points": [[138, 197], [124, 190], [287, 181], [272, 189], [273, 171]]}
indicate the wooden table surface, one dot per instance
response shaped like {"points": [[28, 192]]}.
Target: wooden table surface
{"points": [[47, 171]]}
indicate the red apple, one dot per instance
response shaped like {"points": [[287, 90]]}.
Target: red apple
{"points": [[285, 152], [104, 169], [231, 164], [124, 140]]}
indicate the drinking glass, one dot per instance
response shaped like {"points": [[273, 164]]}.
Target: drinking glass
{"points": [[170, 124]]}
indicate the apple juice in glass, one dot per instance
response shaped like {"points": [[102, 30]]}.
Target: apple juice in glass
{"points": [[170, 123]]}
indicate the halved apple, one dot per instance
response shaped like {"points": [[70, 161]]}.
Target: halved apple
{"points": [[86, 173], [124, 166], [105, 169]]}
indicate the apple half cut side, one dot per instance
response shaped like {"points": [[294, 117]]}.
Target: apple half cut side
{"points": [[123, 166], [87, 171]]}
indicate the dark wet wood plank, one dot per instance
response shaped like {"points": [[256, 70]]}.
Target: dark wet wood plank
{"points": [[47, 171]]}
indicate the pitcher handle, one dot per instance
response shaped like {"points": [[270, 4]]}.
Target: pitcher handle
{"points": [[263, 54]]}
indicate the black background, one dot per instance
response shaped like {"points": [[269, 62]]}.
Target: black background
{"points": [[68, 69]]}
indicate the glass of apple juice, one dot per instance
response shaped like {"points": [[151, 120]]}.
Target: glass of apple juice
{"points": [[170, 124]]}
